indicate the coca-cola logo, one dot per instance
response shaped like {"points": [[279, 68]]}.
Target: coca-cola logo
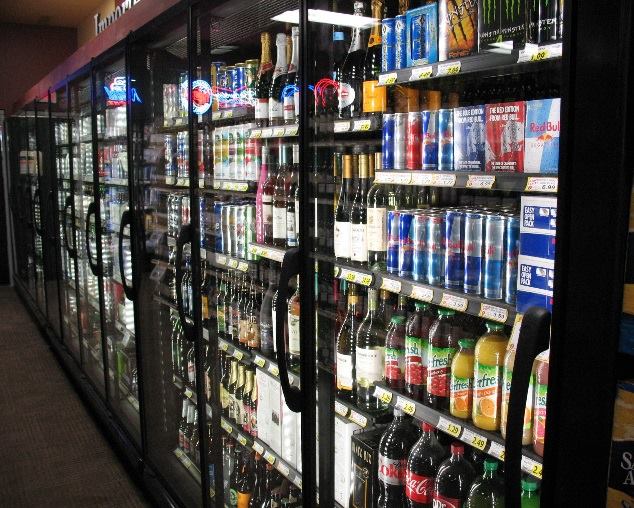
{"points": [[391, 471], [418, 488], [441, 501]]}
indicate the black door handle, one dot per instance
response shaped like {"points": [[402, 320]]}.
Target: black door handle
{"points": [[94, 267], [37, 202], [184, 236], [290, 268], [72, 253], [125, 221]]}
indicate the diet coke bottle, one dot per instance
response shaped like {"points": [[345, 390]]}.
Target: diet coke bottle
{"points": [[455, 476], [422, 465], [393, 448]]}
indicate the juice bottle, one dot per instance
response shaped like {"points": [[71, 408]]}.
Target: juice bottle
{"points": [[461, 386], [487, 491], [507, 377], [443, 344], [416, 341], [487, 377], [530, 495], [540, 372]]}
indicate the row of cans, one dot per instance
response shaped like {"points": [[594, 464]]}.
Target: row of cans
{"points": [[234, 226], [418, 140], [236, 156], [177, 155], [234, 85], [462, 249], [178, 212]]}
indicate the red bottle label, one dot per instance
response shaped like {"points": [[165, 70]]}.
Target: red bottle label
{"points": [[418, 488], [391, 471], [445, 502]]}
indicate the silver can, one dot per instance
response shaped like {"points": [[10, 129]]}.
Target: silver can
{"points": [[249, 230], [399, 148], [233, 222], [241, 246], [225, 217]]}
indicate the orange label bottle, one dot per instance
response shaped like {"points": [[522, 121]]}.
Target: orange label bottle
{"points": [[461, 385]]}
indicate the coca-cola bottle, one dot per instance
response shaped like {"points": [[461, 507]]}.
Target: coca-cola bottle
{"points": [[453, 480], [422, 465], [393, 449]]}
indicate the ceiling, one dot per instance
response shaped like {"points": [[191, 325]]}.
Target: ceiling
{"points": [[68, 13]]}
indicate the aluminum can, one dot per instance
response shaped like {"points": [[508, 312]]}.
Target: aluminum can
{"points": [[445, 139], [239, 84], [217, 153], [252, 159], [422, 34], [170, 170], [400, 39], [493, 272], [233, 230], [241, 245], [429, 135], [454, 249], [413, 140], [226, 228], [405, 244], [435, 249], [221, 87], [231, 85], [393, 220], [511, 251], [240, 141], [473, 240], [230, 168], [388, 141], [251, 77], [388, 45], [217, 225], [419, 254], [400, 121], [249, 230], [225, 152]]}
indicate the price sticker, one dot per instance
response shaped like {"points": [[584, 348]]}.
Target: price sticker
{"points": [[242, 266], [298, 481], [405, 405], [242, 440], [216, 115], [496, 450], [357, 418], [224, 346], [201, 183], [238, 355], [493, 313], [448, 68], [391, 285], [341, 409], [269, 457], [182, 182], [283, 468], [256, 133], [444, 180], [220, 259], [274, 370], [258, 447], [422, 178], [480, 181], [259, 361], [188, 393], [388, 79], [232, 263], [362, 125], [532, 467], [267, 133], [541, 184], [454, 302], [278, 132], [216, 185], [473, 439], [254, 249], [382, 177], [421, 73], [365, 280], [226, 426], [383, 395], [422, 293], [450, 428], [179, 453], [402, 178], [342, 126], [227, 114], [515, 332], [291, 131]]}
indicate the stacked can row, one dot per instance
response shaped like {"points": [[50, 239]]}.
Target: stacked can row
{"points": [[470, 250], [236, 156], [234, 226]]}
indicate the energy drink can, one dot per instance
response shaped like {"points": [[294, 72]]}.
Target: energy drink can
{"points": [[241, 245], [388, 141], [445, 141], [388, 45], [249, 230], [493, 272], [473, 232], [419, 254], [511, 251], [429, 135], [400, 39], [413, 140], [239, 83], [435, 249], [217, 225], [252, 159], [229, 86], [240, 141], [233, 230], [454, 249], [393, 220], [224, 151], [405, 244], [221, 87], [422, 30], [226, 214], [400, 120]]}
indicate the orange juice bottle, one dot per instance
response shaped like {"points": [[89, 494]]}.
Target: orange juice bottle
{"points": [[507, 377], [487, 377], [461, 385]]}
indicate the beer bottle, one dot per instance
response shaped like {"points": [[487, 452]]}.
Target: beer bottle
{"points": [[294, 350], [225, 365], [238, 395], [259, 487], [246, 399], [231, 391], [245, 482]]}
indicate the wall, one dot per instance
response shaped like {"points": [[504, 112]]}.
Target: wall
{"points": [[86, 29], [27, 54]]}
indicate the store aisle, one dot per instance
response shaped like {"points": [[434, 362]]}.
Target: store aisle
{"points": [[51, 453]]}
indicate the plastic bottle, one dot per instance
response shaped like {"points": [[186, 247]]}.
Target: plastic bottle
{"points": [[422, 465], [487, 491], [540, 373], [507, 377], [530, 494], [454, 477], [443, 344], [461, 386]]}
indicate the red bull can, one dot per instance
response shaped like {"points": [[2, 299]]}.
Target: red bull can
{"points": [[473, 233], [493, 273], [413, 140], [429, 135], [400, 38], [400, 121], [388, 141], [405, 244], [419, 239], [435, 249], [445, 139], [393, 220], [454, 249], [388, 44], [511, 251]]}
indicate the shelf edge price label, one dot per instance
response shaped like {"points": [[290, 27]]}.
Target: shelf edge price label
{"points": [[238, 355], [226, 426], [383, 395], [298, 481], [531, 467], [422, 178], [232, 263], [179, 453], [480, 181], [227, 114], [267, 133], [404, 178], [388, 79], [221, 260], [242, 440], [224, 346], [541, 184], [421, 73], [259, 361], [279, 132], [444, 180], [342, 126], [291, 131], [269, 457], [258, 447], [496, 450], [257, 133], [242, 266], [422, 293], [283, 468], [274, 370], [473, 439], [362, 125], [216, 185], [382, 177], [448, 68], [450, 428], [341, 409], [493, 312], [454, 302], [188, 393], [405, 405], [365, 280], [357, 418], [391, 285]]}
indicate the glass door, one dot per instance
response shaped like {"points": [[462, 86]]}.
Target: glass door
{"points": [[433, 159]]}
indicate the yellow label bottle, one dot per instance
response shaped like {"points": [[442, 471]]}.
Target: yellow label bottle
{"points": [[461, 385]]}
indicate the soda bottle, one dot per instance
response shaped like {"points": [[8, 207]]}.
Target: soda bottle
{"points": [[461, 386], [540, 374], [422, 465], [454, 477], [395, 353], [443, 344], [530, 495], [416, 341], [487, 490], [487, 377], [393, 448]]}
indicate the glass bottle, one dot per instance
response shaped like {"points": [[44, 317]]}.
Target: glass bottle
{"points": [[263, 83], [351, 82], [346, 346], [294, 349], [358, 217], [342, 213], [276, 106], [374, 96]]}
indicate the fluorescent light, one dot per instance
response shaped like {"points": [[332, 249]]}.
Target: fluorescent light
{"points": [[328, 18]]}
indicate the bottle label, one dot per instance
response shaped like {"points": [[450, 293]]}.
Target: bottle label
{"points": [[289, 107], [394, 362], [276, 109], [253, 333], [205, 308], [438, 370], [377, 229], [369, 365], [418, 489], [181, 439], [233, 497], [374, 97], [346, 95], [539, 417], [243, 499], [267, 209], [262, 109], [253, 424], [345, 379], [296, 102], [415, 360], [441, 501], [460, 393], [243, 331], [191, 372], [291, 237], [391, 471], [293, 334], [359, 245], [487, 391], [246, 422], [266, 336], [342, 239], [279, 223], [224, 397], [220, 319]]}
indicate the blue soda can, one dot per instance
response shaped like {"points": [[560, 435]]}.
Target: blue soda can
{"points": [[419, 255], [429, 138], [445, 139], [511, 250], [228, 92], [388, 45], [239, 84], [420, 38], [405, 244], [393, 220], [400, 38], [435, 249], [218, 206], [473, 230], [388, 141], [454, 249], [400, 140], [493, 273]]}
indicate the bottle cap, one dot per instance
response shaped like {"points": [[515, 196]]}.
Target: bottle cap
{"points": [[466, 343], [398, 412], [492, 325], [457, 448], [421, 305], [490, 465], [446, 312], [427, 427], [397, 318], [529, 484]]}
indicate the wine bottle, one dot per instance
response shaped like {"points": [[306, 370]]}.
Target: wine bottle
{"points": [[358, 217], [351, 82], [291, 88], [279, 197], [263, 84], [346, 346], [377, 223], [374, 96], [294, 346], [342, 214], [292, 204], [259, 204], [268, 189], [276, 107]]}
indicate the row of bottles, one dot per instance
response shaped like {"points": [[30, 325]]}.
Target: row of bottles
{"points": [[239, 394]]}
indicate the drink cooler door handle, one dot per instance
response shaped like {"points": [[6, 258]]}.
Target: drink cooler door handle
{"points": [[51, 198], [37, 201], [72, 253], [290, 268], [533, 339], [92, 210], [130, 292], [184, 236]]}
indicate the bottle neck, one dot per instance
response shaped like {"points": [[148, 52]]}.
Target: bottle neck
{"points": [[294, 53], [356, 43], [375, 34], [265, 58], [280, 63]]}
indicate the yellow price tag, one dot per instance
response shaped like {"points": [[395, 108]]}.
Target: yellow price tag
{"points": [[268, 456], [224, 346], [496, 450], [390, 80], [473, 439], [238, 355], [450, 428], [366, 280], [226, 427], [259, 361], [532, 467], [350, 276], [409, 408], [362, 125], [274, 370], [258, 447], [228, 114], [256, 134], [242, 440], [542, 54]]}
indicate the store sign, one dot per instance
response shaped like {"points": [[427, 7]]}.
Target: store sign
{"points": [[201, 96], [122, 8], [115, 93]]}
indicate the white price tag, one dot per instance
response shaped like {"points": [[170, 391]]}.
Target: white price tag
{"points": [[357, 418], [226, 426], [474, 439], [170, 180], [278, 132], [269, 457], [232, 263], [421, 73], [206, 334], [361, 125], [405, 405], [216, 115], [274, 370], [496, 450], [201, 183], [448, 68], [388, 79], [267, 133], [342, 126], [243, 266], [422, 178], [259, 361], [454, 302], [422, 293], [188, 393], [403, 178], [216, 184], [242, 440], [391, 285], [444, 180], [450, 428], [221, 259], [341, 409], [256, 133], [238, 355], [480, 181], [179, 453], [258, 447], [283, 468], [298, 481], [383, 177], [383, 395], [531, 467], [541, 184], [291, 131], [493, 313]]}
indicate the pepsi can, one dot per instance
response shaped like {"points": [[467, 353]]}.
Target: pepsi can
{"points": [[218, 206], [405, 244], [493, 272], [393, 220], [445, 139], [435, 249], [511, 250], [388, 45], [429, 136], [473, 229], [419, 254], [400, 38], [388, 141], [399, 149], [454, 249]]}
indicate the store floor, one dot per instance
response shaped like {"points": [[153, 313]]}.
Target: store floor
{"points": [[52, 454]]}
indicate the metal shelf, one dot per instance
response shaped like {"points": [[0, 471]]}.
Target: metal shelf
{"points": [[241, 112], [224, 261], [267, 251], [360, 416], [232, 185], [280, 131], [187, 464]]}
